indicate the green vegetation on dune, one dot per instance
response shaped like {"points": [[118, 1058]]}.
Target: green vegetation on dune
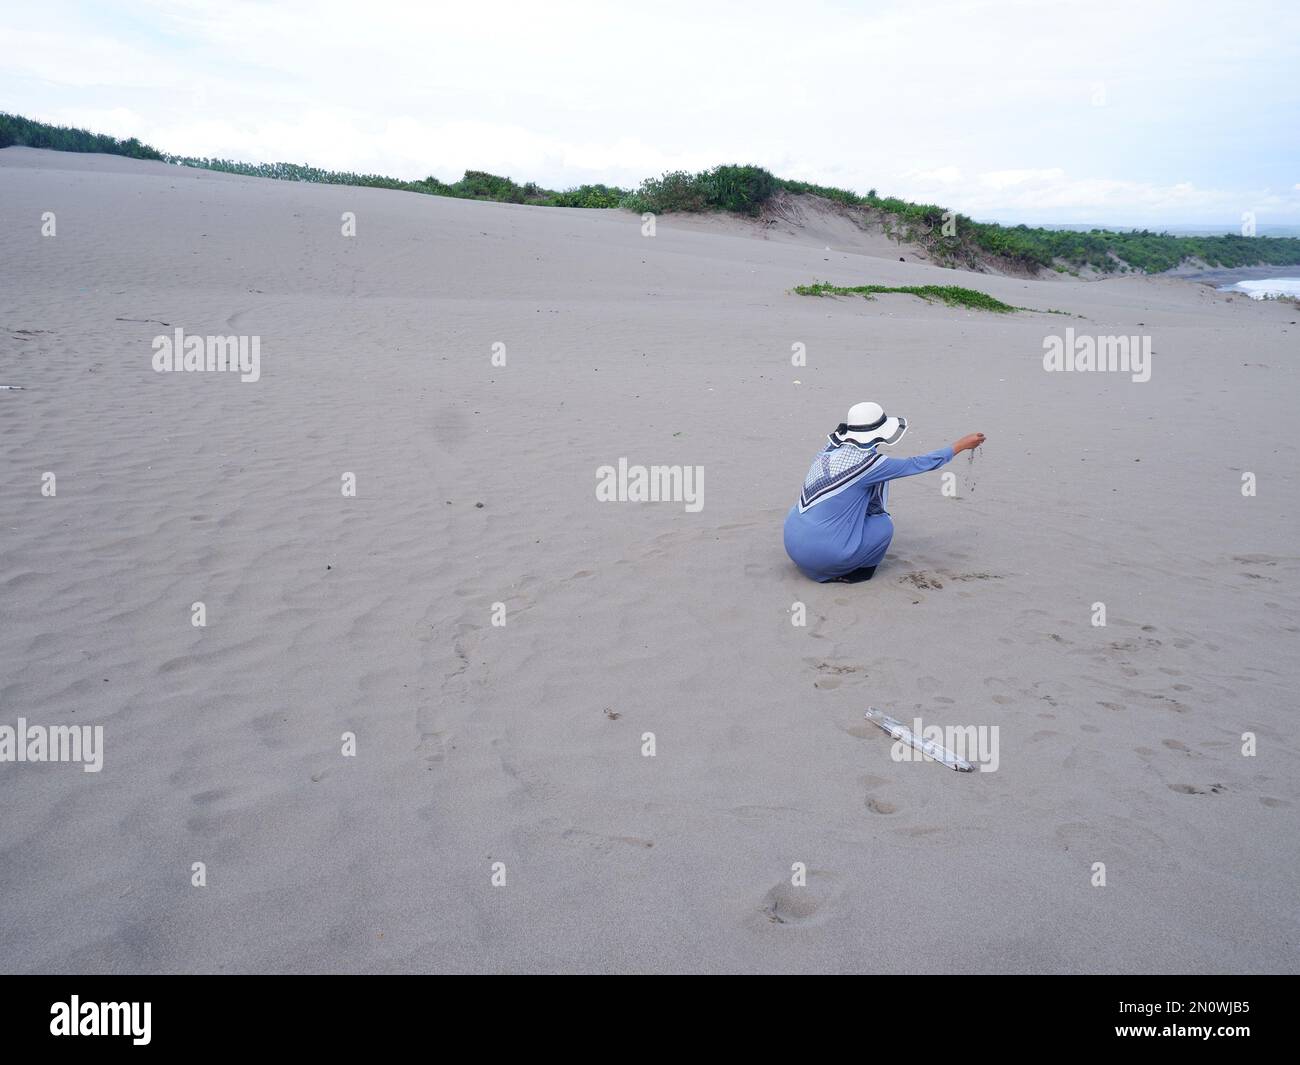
{"points": [[953, 295], [739, 189], [593, 196], [475, 185], [827, 192], [24, 132], [746, 189], [949, 238], [1108, 251], [301, 172]]}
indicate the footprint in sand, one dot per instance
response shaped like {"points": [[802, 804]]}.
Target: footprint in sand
{"points": [[862, 730], [1168, 702], [205, 798], [921, 579], [1191, 789], [823, 666], [433, 745], [433, 741], [786, 904], [880, 806], [831, 672], [815, 631]]}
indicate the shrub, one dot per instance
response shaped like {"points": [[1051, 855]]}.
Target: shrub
{"points": [[592, 196], [742, 189]]}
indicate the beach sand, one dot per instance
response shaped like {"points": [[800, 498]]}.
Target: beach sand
{"points": [[521, 744]]}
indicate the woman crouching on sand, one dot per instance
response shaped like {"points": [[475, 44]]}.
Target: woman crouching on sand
{"points": [[839, 530]]}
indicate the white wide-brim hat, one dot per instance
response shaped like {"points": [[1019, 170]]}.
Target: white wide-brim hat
{"points": [[868, 424]]}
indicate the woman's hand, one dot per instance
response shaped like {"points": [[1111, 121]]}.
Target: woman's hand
{"points": [[968, 443]]}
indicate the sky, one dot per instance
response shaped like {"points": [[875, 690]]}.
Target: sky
{"points": [[1140, 112]]}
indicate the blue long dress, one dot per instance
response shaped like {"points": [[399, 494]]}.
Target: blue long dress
{"points": [[840, 523]]}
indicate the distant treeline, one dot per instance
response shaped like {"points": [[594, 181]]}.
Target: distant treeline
{"points": [[475, 185], [950, 238]]}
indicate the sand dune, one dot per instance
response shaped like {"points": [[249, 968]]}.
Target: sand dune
{"points": [[522, 744]]}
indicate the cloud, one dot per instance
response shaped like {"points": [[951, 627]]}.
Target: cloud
{"points": [[1003, 179], [944, 175]]}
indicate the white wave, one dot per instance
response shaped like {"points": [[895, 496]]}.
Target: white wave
{"points": [[1271, 286]]}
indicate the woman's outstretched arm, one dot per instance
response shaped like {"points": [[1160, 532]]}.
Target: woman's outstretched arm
{"points": [[889, 468]]}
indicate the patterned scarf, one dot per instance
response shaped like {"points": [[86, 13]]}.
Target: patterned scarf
{"points": [[832, 471]]}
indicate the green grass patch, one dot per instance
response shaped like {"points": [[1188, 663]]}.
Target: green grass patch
{"points": [[952, 295]]}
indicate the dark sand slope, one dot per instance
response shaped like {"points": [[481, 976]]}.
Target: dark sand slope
{"points": [[480, 744]]}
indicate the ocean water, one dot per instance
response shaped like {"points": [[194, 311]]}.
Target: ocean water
{"points": [[1265, 287]]}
